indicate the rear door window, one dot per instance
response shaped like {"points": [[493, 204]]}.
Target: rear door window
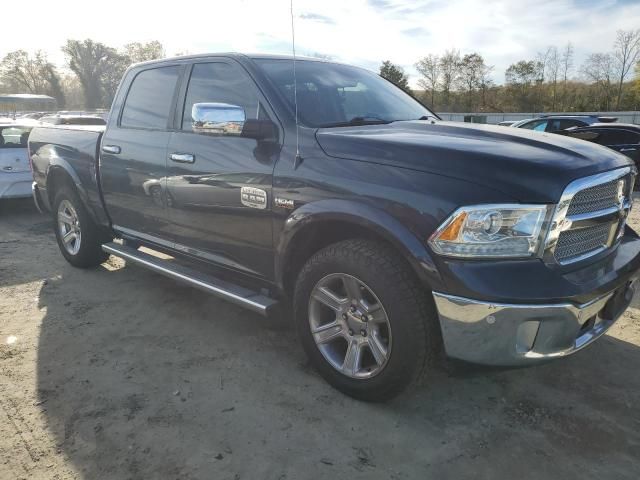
{"points": [[150, 98]]}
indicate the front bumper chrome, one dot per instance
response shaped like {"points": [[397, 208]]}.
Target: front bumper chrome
{"points": [[512, 334]]}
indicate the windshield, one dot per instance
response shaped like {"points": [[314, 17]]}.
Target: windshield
{"points": [[332, 95]]}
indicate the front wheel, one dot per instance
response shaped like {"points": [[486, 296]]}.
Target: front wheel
{"points": [[364, 321]]}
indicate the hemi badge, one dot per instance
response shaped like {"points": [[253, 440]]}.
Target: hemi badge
{"points": [[253, 197], [284, 202]]}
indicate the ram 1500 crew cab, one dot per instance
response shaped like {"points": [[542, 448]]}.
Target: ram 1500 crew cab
{"points": [[389, 232]]}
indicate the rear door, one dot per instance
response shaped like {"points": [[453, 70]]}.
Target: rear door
{"points": [[133, 159], [13, 149], [219, 185], [622, 140], [628, 143]]}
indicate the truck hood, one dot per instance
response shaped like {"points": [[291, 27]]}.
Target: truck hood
{"points": [[528, 166]]}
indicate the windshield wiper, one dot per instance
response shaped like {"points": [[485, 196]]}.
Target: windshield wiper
{"points": [[358, 121]]}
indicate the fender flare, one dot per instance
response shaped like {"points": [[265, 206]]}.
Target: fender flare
{"points": [[365, 216], [59, 166]]}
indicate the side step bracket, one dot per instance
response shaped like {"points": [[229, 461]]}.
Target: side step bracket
{"points": [[227, 291]]}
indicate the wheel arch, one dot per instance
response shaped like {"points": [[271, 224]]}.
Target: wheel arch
{"points": [[59, 173], [316, 225]]}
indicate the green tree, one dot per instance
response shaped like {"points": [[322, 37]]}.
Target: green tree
{"points": [[394, 74], [23, 72], [473, 76], [97, 66], [521, 78], [142, 52]]}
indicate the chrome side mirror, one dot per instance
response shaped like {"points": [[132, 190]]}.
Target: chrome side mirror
{"points": [[217, 119]]}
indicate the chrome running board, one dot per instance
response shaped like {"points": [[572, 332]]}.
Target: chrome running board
{"points": [[227, 291]]}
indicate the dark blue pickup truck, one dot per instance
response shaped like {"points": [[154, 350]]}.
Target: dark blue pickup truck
{"points": [[389, 234]]}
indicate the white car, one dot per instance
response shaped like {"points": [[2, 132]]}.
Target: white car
{"points": [[15, 171]]}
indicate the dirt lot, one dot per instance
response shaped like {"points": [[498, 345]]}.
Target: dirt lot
{"points": [[120, 373]]}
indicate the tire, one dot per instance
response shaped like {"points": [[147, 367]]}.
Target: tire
{"points": [[70, 216], [402, 327]]}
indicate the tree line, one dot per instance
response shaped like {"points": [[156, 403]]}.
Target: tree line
{"points": [[448, 82], [453, 82], [96, 70]]}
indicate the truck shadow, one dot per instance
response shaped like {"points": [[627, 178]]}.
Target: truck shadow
{"points": [[143, 378]]}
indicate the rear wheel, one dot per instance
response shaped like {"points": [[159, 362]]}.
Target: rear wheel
{"points": [[78, 237], [364, 320]]}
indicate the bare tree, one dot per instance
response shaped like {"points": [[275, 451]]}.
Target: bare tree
{"points": [[626, 51], [25, 71], [450, 70], [484, 81], [543, 59], [429, 68], [566, 66], [553, 69], [566, 61], [599, 68]]}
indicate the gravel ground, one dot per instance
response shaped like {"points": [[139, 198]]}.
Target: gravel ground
{"points": [[119, 373]]}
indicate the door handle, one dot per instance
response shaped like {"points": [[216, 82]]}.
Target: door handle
{"points": [[113, 149], [627, 150], [183, 157]]}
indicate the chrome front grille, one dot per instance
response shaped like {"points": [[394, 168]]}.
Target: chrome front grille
{"points": [[589, 216], [575, 243], [592, 199]]}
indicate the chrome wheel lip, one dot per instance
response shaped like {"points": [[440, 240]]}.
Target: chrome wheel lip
{"points": [[350, 309], [69, 227]]}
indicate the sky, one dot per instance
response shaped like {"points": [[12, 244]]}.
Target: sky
{"points": [[360, 32]]}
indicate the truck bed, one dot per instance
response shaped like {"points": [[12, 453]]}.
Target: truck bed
{"points": [[72, 151]]}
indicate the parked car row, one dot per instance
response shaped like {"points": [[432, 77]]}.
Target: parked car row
{"points": [[606, 131]]}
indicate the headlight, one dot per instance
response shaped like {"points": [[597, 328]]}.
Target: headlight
{"points": [[491, 231]]}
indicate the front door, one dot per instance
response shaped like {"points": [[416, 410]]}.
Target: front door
{"points": [[219, 183], [134, 155]]}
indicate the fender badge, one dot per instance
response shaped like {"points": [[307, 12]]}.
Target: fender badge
{"points": [[253, 197], [284, 203]]}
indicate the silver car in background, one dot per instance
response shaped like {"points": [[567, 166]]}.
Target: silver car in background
{"points": [[15, 171]]}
